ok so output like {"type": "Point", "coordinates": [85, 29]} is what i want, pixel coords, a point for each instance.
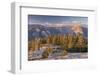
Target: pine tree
{"type": "Point", "coordinates": [80, 42]}
{"type": "Point", "coordinates": [70, 41]}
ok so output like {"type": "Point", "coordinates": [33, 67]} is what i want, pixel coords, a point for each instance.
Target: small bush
{"type": "Point", "coordinates": [45, 54]}
{"type": "Point", "coordinates": [76, 50]}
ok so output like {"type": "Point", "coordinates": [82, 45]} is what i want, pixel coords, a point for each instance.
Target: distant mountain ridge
{"type": "Point", "coordinates": [39, 30]}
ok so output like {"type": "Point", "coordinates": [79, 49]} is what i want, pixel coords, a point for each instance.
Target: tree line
{"type": "Point", "coordinates": [70, 43]}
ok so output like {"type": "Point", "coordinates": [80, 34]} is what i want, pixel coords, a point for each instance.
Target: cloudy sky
{"type": "Point", "coordinates": [44, 19]}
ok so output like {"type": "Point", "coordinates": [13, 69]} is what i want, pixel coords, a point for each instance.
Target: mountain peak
{"type": "Point", "coordinates": [77, 28]}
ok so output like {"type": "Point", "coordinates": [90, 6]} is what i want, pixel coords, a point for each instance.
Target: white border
{"type": "Point", "coordinates": [19, 38]}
